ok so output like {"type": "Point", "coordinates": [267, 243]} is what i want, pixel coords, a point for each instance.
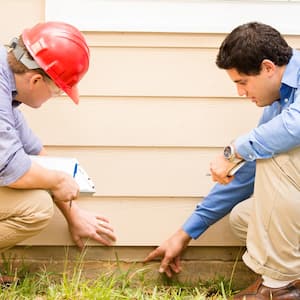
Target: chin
{"type": "Point", "coordinates": [259, 104]}
{"type": "Point", "coordinates": [35, 105]}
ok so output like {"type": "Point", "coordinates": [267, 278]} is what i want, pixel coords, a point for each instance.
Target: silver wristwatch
{"type": "Point", "coordinates": [230, 155]}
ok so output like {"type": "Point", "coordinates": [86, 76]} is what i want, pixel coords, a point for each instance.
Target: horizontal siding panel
{"type": "Point", "coordinates": [155, 72]}
{"type": "Point", "coordinates": [111, 39]}
{"type": "Point", "coordinates": [143, 121]}
{"type": "Point", "coordinates": [17, 15]}
{"type": "Point", "coordinates": [153, 40]}
{"type": "Point", "coordinates": [293, 40]}
{"type": "Point", "coordinates": [138, 222]}
{"type": "Point", "coordinates": [145, 171]}
{"type": "Point", "coordinates": [164, 40]}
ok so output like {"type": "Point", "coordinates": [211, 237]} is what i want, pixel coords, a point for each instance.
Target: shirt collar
{"type": "Point", "coordinates": [12, 81]}
{"type": "Point", "coordinates": [290, 78]}
{"type": "Point", "coordinates": [13, 88]}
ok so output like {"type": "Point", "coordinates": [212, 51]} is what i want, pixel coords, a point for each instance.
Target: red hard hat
{"type": "Point", "coordinates": [61, 51]}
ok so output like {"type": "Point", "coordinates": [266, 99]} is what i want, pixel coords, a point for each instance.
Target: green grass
{"type": "Point", "coordinates": [131, 284]}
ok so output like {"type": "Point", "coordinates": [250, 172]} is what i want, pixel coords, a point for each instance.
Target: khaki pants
{"type": "Point", "coordinates": [23, 213]}
{"type": "Point", "coordinates": [269, 222]}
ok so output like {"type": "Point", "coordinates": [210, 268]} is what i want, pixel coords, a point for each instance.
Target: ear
{"type": "Point", "coordinates": [35, 80]}
{"type": "Point", "coordinates": [268, 66]}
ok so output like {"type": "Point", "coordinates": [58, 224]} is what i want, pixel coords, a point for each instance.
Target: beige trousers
{"type": "Point", "coordinates": [269, 222]}
{"type": "Point", "coordinates": [23, 213]}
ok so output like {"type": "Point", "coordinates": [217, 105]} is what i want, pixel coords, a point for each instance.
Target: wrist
{"type": "Point", "coordinates": [231, 155]}
{"type": "Point", "coordinates": [69, 213]}
{"type": "Point", "coordinates": [183, 236]}
{"type": "Point", "coordinates": [56, 179]}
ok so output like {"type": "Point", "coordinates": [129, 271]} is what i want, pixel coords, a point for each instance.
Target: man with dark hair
{"type": "Point", "coordinates": [266, 70]}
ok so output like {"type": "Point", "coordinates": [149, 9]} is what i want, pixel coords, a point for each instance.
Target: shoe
{"type": "Point", "coordinates": [258, 291]}
{"type": "Point", "coordinates": [7, 281]}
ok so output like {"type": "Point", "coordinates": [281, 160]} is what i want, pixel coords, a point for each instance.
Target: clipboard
{"type": "Point", "coordinates": [68, 165]}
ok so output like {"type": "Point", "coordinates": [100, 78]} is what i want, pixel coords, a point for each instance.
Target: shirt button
{"type": "Point", "coordinates": [286, 100]}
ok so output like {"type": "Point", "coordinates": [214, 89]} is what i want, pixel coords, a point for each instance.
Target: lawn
{"type": "Point", "coordinates": [118, 284]}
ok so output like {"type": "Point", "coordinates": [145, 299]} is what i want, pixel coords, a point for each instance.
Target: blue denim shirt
{"type": "Point", "coordinates": [16, 138]}
{"type": "Point", "coordinates": [278, 131]}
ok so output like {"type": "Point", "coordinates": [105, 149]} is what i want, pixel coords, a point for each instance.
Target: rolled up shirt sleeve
{"type": "Point", "coordinates": [17, 165]}
{"type": "Point", "coordinates": [14, 160]}
{"type": "Point", "coordinates": [278, 135]}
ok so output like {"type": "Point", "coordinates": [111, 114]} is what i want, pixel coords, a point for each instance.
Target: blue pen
{"type": "Point", "coordinates": [75, 170]}
{"type": "Point", "coordinates": [74, 174]}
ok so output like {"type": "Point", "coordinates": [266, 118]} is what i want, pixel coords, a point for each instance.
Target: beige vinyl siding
{"type": "Point", "coordinates": [143, 121]}
{"type": "Point", "coordinates": [15, 15]}
{"type": "Point", "coordinates": [154, 111]}
{"type": "Point", "coordinates": [138, 221]}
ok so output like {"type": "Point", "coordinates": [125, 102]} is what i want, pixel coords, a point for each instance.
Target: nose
{"type": "Point", "coordinates": [241, 91]}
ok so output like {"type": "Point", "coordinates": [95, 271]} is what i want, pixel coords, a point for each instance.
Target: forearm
{"type": "Point", "coordinates": [67, 210]}
{"type": "Point", "coordinates": [38, 177]}
{"type": "Point", "coordinates": [220, 200]}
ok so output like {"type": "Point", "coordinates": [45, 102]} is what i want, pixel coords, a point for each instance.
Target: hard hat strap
{"type": "Point", "coordinates": [21, 55]}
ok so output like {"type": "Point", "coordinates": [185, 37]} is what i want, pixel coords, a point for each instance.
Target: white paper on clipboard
{"type": "Point", "coordinates": [69, 165]}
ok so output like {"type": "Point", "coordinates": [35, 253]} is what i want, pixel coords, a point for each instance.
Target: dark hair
{"type": "Point", "coordinates": [249, 44]}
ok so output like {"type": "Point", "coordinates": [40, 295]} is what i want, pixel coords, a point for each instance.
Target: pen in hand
{"type": "Point", "coordinates": [74, 174]}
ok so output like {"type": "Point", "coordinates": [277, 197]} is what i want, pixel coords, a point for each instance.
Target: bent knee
{"type": "Point", "coordinates": [234, 218]}
{"type": "Point", "coordinates": [41, 208]}
{"type": "Point", "coordinates": [238, 221]}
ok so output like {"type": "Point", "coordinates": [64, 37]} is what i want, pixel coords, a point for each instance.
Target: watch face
{"type": "Point", "coordinates": [227, 152]}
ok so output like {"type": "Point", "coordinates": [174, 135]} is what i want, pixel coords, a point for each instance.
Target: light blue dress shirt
{"type": "Point", "coordinates": [16, 138]}
{"type": "Point", "coordinates": [278, 131]}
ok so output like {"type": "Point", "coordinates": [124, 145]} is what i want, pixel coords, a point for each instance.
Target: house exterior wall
{"type": "Point", "coordinates": [154, 111]}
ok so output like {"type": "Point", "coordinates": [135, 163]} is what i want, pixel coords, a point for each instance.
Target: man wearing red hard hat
{"type": "Point", "coordinates": [44, 61]}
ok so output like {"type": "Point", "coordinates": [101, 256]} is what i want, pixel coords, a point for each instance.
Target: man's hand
{"type": "Point", "coordinates": [66, 188]}
{"type": "Point", "coordinates": [170, 252]}
{"type": "Point", "coordinates": [85, 225]}
{"type": "Point", "coordinates": [219, 168]}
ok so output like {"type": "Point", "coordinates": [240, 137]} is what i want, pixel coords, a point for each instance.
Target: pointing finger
{"type": "Point", "coordinates": [155, 253]}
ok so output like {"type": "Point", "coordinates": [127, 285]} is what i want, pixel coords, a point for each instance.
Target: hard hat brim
{"type": "Point", "coordinates": [73, 93]}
